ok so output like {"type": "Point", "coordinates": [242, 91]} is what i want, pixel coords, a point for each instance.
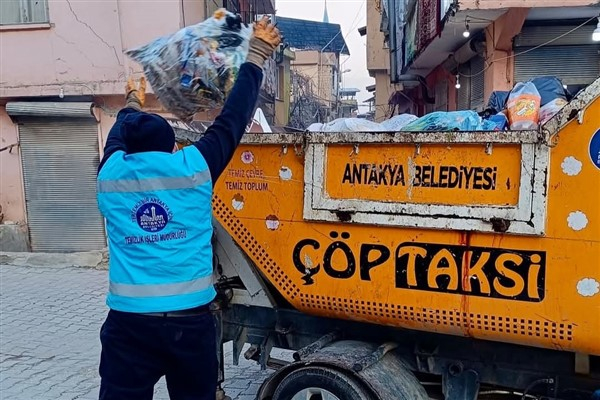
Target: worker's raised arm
{"type": "Point", "coordinates": [135, 98]}
{"type": "Point", "coordinates": [224, 135]}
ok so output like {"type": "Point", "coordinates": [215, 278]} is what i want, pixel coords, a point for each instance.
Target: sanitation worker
{"type": "Point", "coordinates": [157, 205]}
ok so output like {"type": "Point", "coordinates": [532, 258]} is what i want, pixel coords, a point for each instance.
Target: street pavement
{"type": "Point", "coordinates": [50, 319]}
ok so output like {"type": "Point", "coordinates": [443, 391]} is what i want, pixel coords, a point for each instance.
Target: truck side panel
{"type": "Point", "coordinates": [534, 290]}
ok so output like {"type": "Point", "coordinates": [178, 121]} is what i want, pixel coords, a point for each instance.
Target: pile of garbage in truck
{"type": "Point", "coordinates": [195, 68]}
{"type": "Point", "coordinates": [526, 107]}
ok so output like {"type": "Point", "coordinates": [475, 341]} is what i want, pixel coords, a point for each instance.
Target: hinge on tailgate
{"type": "Point", "coordinates": [300, 145]}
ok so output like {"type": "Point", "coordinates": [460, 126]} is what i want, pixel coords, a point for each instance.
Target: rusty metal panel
{"type": "Point", "coordinates": [60, 158]}
{"type": "Point", "coordinates": [301, 139]}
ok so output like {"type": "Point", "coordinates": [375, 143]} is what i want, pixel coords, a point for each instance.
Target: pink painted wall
{"type": "Point", "coordinates": [82, 49]}
{"type": "Point", "coordinates": [11, 182]}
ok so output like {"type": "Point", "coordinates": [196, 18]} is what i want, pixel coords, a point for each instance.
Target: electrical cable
{"type": "Point", "coordinates": [489, 64]}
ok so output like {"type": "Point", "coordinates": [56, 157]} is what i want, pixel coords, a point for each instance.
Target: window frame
{"type": "Point", "coordinates": [26, 7]}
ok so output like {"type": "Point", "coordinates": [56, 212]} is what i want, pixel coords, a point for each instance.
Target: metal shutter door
{"type": "Point", "coordinates": [60, 159]}
{"type": "Point", "coordinates": [441, 96]}
{"type": "Point", "coordinates": [463, 101]}
{"type": "Point", "coordinates": [574, 65]}
{"type": "Point", "coordinates": [532, 36]}
{"type": "Point", "coordinates": [477, 83]}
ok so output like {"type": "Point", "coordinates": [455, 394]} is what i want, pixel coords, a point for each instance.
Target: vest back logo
{"type": "Point", "coordinates": [152, 215]}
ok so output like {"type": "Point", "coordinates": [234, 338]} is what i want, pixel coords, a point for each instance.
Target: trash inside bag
{"type": "Point", "coordinates": [196, 67]}
{"type": "Point", "coordinates": [500, 120]}
{"type": "Point", "coordinates": [398, 122]}
{"type": "Point", "coordinates": [524, 106]}
{"type": "Point", "coordinates": [450, 121]}
{"type": "Point", "coordinates": [346, 125]}
{"type": "Point", "coordinates": [394, 124]}
{"type": "Point", "coordinates": [315, 127]}
{"type": "Point", "coordinates": [551, 109]}
{"type": "Point", "coordinates": [497, 101]}
{"type": "Point", "coordinates": [550, 88]}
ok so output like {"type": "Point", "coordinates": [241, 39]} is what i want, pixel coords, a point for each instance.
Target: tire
{"type": "Point", "coordinates": [321, 379]}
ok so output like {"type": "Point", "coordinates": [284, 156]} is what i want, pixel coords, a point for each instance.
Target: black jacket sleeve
{"type": "Point", "coordinates": [115, 140]}
{"type": "Point", "coordinates": [224, 135]}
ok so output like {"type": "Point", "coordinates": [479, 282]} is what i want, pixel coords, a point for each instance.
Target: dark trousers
{"type": "Point", "coordinates": [137, 350]}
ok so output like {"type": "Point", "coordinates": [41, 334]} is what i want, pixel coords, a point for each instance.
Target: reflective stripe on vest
{"type": "Point", "coordinates": [158, 217]}
{"type": "Point", "coordinates": [153, 184]}
{"type": "Point", "coordinates": [158, 290]}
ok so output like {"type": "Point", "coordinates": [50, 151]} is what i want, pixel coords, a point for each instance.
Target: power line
{"type": "Point", "coordinates": [353, 24]}
{"type": "Point", "coordinates": [489, 64]}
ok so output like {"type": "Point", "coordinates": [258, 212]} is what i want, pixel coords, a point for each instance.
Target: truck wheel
{"type": "Point", "coordinates": [319, 383]}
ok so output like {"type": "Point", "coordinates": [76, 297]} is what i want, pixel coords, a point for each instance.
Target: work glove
{"type": "Point", "coordinates": [263, 43]}
{"type": "Point", "coordinates": [135, 96]}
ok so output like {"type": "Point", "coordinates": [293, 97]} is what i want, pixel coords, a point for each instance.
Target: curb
{"type": "Point", "coordinates": [91, 259]}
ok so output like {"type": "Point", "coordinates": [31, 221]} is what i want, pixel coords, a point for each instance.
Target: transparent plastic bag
{"type": "Point", "coordinates": [196, 67]}
{"type": "Point", "coordinates": [551, 109]}
{"type": "Point", "coordinates": [524, 106]}
{"type": "Point", "coordinates": [441, 121]}
{"type": "Point", "coordinates": [346, 125]}
{"type": "Point", "coordinates": [398, 122]}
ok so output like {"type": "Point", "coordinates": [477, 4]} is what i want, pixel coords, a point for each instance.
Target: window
{"type": "Point", "coordinates": [16, 12]}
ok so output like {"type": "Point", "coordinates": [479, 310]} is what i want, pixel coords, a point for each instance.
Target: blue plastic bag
{"type": "Point", "coordinates": [197, 66]}
{"type": "Point", "coordinates": [450, 121]}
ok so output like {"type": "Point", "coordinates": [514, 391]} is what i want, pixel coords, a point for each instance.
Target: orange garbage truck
{"type": "Point", "coordinates": [443, 265]}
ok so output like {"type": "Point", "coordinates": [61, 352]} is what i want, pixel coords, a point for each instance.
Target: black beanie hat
{"type": "Point", "coordinates": [147, 132]}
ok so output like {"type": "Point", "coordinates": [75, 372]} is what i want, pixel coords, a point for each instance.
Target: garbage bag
{"type": "Point", "coordinates": [347, 125]}
{"type": "Point", "coordinates": [551, 109]}
{"type": "Point", "coordinates": [550, 88]}
{"type": "Point", "coordinates": [497, 101]}
{"type": "Point", "coordinates": [450, 121]}
{"type": "Point", "coordinates": [524, 106]}
{"type": "Point", "coordinates": [315, 127]}
{"type": "Point", "coordinates": [197, 66]}
{"type": "Point", "coordinates": [500, 120]}
{"type": "Point", "coordinates": [397, 123]}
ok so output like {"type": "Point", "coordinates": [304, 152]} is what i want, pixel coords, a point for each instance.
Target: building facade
{"type": "Point", "coordinates": [378, 61]}
{"type": "Point", "coordinates": [318, 47]}
{"type": "Point", "coordinates": [62, 81]}
{"type": "Point", "coordinates": [446, 55]}
{"type": "Point", "coordinates": [284, 87]}
{"type": "Point", "coordinates": [348, 103]}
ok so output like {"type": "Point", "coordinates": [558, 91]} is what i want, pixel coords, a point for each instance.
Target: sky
{"type": "Point", "coordinates": [351, 15]}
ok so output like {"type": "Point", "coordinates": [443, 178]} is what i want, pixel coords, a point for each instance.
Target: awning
{"type": "Point", "coordinates": [50, 109]}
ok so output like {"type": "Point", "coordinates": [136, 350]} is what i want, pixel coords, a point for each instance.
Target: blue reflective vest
{"type": "Point", "coordinates": [158, 219]}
